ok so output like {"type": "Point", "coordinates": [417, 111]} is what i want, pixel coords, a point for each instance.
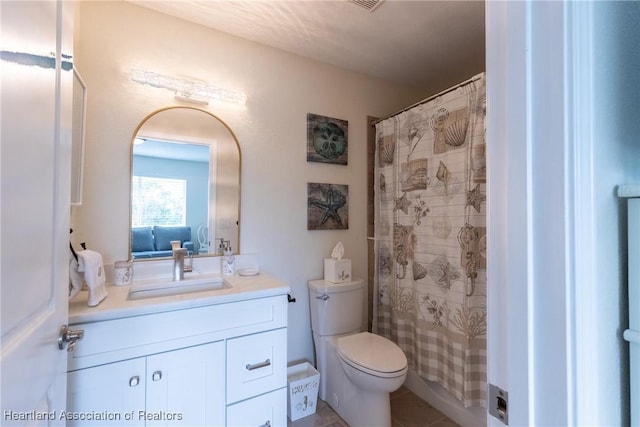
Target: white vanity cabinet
{"type": "Point", "coordinates": [213, 365]}
{"type": "Point", "coordinates": [180, 387]}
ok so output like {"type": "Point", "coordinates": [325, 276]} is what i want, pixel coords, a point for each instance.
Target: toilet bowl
{"type": "Point", "coordinates": [372, 362]}
{"type": "Point", "coordinates": [357, 369]}
{"type": "Point", "coordinates": [374, 367]}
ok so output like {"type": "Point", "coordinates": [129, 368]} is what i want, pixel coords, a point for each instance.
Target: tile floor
{"type": "Point", "coordinates": [407, 410]}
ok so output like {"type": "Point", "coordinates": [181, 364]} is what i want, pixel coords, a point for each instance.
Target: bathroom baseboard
{"type": "Point", "coordinates": [438, 397]}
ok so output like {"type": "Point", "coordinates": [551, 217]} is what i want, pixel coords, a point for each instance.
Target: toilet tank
{"type": "Point", "coordinates": [336, 308]}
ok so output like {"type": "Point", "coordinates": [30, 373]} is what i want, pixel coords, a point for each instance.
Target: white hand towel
{"type": "Point", "coordinates": [90, 262]}
{"type": "Point", "coordinates": [76, 279]}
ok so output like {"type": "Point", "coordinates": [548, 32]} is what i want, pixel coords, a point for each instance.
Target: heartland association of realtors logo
{"type": "Point", "coordinates": [107, 416]}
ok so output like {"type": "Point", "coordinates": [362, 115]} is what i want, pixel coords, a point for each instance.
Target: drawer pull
{"type": "Point", "coordinates": [134, 381]}
{"type": "Point", "coordinates": [267, 424]}
{"type": "Point", "coordinates": [156, 376]}
{"type": "Point", "coordinates": [251, 367]}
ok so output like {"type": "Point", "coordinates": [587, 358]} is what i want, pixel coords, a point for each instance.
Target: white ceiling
{"type": "Point", "coordinates": [427, 44]}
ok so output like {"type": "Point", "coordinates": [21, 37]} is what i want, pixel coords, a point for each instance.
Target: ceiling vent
{"type": "Point", "coordinates": [370, 5]}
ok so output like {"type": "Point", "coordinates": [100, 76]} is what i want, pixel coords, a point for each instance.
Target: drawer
{"type": "Point", "coordinates": [256, 364]}
{"type": "Point", "coordinates": [265, 410]}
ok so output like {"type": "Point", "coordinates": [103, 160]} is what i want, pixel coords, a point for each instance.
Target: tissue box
{"type": "Point", "coordinates": [337, 270]}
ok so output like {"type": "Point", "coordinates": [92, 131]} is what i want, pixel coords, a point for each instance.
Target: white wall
{"type": "Point", "coordinates": [507, 294]}
{"type": "Point", "coordinates": [113, 37]}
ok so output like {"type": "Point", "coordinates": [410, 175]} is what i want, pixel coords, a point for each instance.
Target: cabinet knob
{"type": "Point", "coordinates": [251, 367]}
{"type": "Point", "coordinates": [134, 381]}
{"type": "Point", "coordinates": [156, 376]}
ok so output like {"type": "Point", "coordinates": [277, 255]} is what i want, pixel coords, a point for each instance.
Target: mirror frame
{"type": "Point", "coordinates": [79, 126]}
{"type": "Point", "coordinates": [236, 251]}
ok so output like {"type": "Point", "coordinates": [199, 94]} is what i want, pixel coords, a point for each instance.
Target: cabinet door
{"type": "Point", "coordinates": [265, 410]}
{"type": "Point", "coordinates": [186, 387]}
{"type": "Point", "coordinates": [107, 395]}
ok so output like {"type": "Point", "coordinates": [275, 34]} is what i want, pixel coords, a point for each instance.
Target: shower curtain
{"type": "Point", "coordinates": [430, 238]}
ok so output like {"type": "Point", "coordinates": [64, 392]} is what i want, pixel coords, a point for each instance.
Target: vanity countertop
{"type": "Point", "coordinates": [117, 305]}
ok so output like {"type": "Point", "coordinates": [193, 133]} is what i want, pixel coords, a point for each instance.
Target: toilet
{"type": "Point", "coordinates": [357, 369]}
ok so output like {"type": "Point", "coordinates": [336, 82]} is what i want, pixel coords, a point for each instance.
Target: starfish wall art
{"type": "Point", "coordinates": [327, 206]}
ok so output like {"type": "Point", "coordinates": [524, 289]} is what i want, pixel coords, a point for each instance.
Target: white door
{"type": "Point", "coordinates": [34, 221]}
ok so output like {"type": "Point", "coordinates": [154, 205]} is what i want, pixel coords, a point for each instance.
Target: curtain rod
{"type": "Point", "coordinates": [466, 82]}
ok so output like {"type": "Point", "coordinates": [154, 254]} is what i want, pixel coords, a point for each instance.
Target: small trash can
{"type": "Point", "coordinates": [303, 381]}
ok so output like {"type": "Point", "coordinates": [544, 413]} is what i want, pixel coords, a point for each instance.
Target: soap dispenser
{"type": "Point", "coordinates": [228, 262]}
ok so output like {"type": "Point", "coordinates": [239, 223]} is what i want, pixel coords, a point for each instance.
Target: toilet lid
{"type": "Point", "coordinates": [372, 352]}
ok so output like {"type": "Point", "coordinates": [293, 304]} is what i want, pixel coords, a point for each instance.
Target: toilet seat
{"type": "Point", "coordinates": [372, 354]}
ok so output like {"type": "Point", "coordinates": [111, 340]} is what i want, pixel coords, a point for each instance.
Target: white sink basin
{"type": "Point", "coordinates": [164, 287]}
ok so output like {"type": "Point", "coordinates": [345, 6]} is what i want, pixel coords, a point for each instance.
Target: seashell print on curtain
{"type": "Point", "coordinates": [430, 238]}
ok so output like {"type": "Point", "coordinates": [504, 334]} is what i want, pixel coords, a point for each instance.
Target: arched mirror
{"type": "Point", "coordinates": [185, 184]}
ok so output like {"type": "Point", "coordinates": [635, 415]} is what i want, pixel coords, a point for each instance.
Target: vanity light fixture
{"type": "Point", "coordinates": [192, 91]}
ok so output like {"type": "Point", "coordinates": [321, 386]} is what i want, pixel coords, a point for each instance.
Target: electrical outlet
{"type": "Point", "coordinates": [499, 403]}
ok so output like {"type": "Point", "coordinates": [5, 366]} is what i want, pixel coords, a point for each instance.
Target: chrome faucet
{"type": "Point", "coordinates": [178, 263]}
